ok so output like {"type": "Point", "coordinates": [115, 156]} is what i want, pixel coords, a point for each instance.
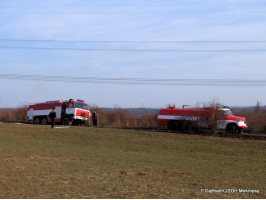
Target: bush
{"type": "Point", "coordinates": [256, 118]}
{"type": "Point", "coordinates": [119, 118]}
{"type": "Point", "coordinates": [14, 114]}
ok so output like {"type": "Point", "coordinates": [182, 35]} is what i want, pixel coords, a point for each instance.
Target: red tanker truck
{"type": "Point", "coordinates": [176, 119]}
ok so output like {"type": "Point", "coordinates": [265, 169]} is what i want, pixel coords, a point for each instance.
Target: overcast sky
{"type": "Point", "coordinates": [61, 24]}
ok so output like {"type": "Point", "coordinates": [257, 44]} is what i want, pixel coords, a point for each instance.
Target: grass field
{"type": "Point", "coordinates": [82, 162]}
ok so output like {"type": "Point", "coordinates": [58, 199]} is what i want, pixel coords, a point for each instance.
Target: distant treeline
{"type": "Point", "coordinates": [143, 118]}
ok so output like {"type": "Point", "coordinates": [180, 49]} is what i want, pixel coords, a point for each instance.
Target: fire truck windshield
{"type": "Point", "coordinates": [81, 105]}
{"type": "Point", "coordinates": [229, 113]}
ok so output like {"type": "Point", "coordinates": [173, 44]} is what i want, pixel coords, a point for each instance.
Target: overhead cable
{"type": "Point", "coordinates": [134, 50]}
{"type": "Point", "coordinates": [138, 81]}
{"type": "Point", "coordinates": [131, 41]}
{"type": "Point", "coordinates": [136, 12]}
{"type": "Point", "coordinates": [136, 5]}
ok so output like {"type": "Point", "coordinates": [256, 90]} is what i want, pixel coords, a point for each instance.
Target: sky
{"type": "Point", "coordinates": [124, 39]}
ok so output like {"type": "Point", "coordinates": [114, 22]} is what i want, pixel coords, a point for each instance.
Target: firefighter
{"type": "Point", "coordinates": [52, 115]}
{"type": "Point", "coordinates": [63, 110]}
{"type": "Point", "coordinates": [95, 118]}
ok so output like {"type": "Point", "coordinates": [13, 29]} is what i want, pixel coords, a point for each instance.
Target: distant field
{"type": "Point", "coordinates": [82, 162]}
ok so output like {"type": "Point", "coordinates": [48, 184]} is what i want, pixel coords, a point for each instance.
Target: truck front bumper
{"type": "Point", "coordinates": [81, 118]}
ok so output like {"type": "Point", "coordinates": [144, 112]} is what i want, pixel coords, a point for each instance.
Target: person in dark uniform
{"type": "Point", "coordinates": [63, 110]}
{"type": "Point", "coordinates": [52, 115]}
{"type": "Point", "coordinates": [95, 119]}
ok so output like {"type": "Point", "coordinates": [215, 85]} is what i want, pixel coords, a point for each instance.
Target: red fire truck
{"type": "Point", "coordinates": [76, 112]}
{"type": "Point", "coordinates": [206, 118]}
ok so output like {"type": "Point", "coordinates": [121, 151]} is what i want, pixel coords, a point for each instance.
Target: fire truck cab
{"type": "Point", "coordinates": [74, 111]}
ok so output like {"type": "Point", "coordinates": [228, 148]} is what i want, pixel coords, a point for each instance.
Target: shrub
{"type": "Point", "coordinates": [256, 118]}
{"type": "Point", "coordinates": [119, 118]}
{"type": "Point", "coordinates": [14, 114]}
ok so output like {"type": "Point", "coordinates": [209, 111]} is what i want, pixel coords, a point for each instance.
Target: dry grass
{"type": "Point", "coordinates": [15, 114]}
{"type": "Point", "coordinates": [82, 162]}
{"type": "Point", "coordinates": [119, 118]}
{"type": "Point", "coordinates": [256, 120]}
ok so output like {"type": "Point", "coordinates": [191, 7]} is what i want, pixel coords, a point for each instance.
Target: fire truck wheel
{"type": "Point", "coordinates": [36, 120]}
{"type": "Point", "coordinates": [173, 126]}
{"type": "Point", "coordinates": [232, 129]}
{"type": "Point", "coordinates": [66, 121]}
{"type": "Point", "coordinates": [44, 121]}
{"type": "Point", "coordinates": [187, 126]}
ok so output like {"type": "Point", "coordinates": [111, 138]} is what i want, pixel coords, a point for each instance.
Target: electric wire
{"type": "Point", "coordinates": [131, 41]}
{"type": "Point", "coordinates": [134, 50]}
{"type": "Point", "coordinates": [137, 5]}
{"type": "Point", "coordinates": [135, 12]}
{"type": "Point", "coordinates": [138, 81]}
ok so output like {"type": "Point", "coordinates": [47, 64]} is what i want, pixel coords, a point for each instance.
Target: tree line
{"type": "Point", "coordinates": [121, 118]}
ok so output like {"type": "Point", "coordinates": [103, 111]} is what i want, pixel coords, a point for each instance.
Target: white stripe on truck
{"type": "Point", "coordinates": [171, 117]}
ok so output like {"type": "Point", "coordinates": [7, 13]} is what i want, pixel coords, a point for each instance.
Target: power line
{"type": "Point", "coordinates": [134, 41]}
{"type": "Point", "coordinates": [135, 50]}
{"type": "Point", "coordinates": [137, 5]}
{"type": "Point", "coordinates": [138, 81]}
{"type": "Point", "coordinates": [135, 12]}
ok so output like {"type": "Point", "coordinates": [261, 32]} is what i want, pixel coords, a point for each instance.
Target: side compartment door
{"type": "Point", "coordinates": [221, 124]}
{"type": "Point", "coordinates": [31, 114]}
{"type": "Point", "coordinates": [204, 122]}
{"type": "Point", "coordinates": [58, 112]}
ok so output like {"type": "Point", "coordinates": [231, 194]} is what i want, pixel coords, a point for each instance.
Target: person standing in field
{"type": "Point", "coordinates": [95, 118]}
{"type": "Point", "coordinates": [52, 115]}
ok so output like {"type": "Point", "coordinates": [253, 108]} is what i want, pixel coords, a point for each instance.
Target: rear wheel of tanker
{"type": "Point", "coordinates": [44, 121]}
{"type": "Point", "coordinates": [66, 121]}
{"type": "Point", "coordinates": [188, 126]}
{"type": "Point", "coordinates": [36, 120]}
{"type": "Point", "coordinates": [173, 126]}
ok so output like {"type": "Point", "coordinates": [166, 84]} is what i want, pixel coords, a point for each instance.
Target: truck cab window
{"type": "Point", "coordinates": [229, 113]}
